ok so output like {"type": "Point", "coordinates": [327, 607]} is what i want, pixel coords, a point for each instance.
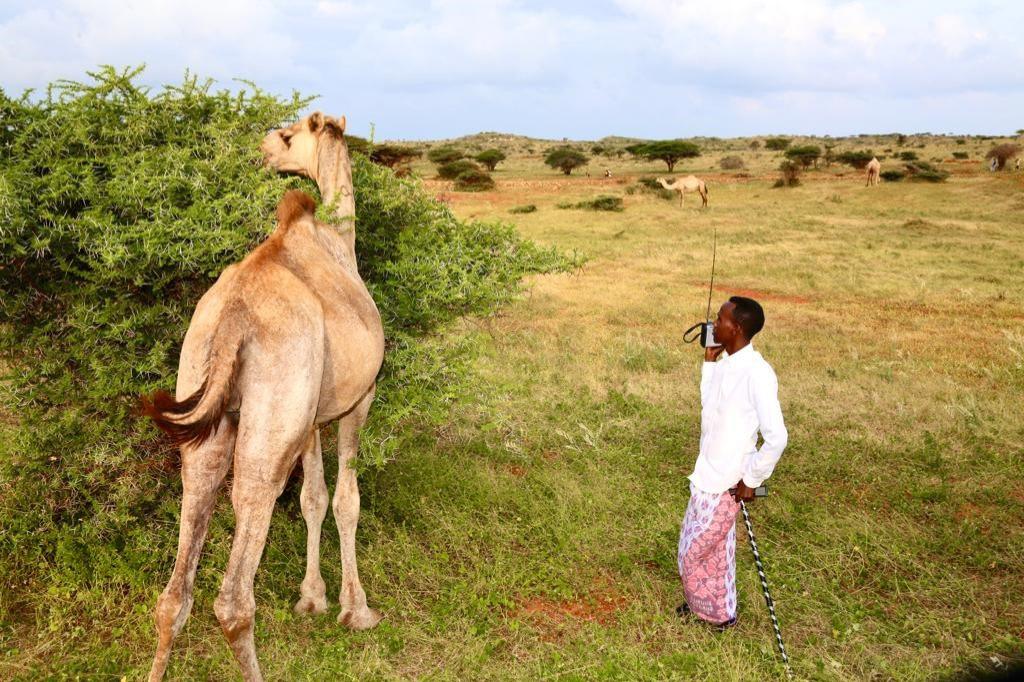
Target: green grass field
{"type": "Point", "coordinates": [533, 536]}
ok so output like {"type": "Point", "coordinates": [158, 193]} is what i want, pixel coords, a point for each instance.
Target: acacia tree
{"type": "Point", "coordinates": [394, 155]}
{"type": "Point", "coordinates": [777, 144]}
{"type": "Point", "coordinates": [566, 159]}
{"type": "Point", "coordinates": [806, 155]}
{"type": "Point", "coordinates": [490, 158]}
{"type": "Point", "coordinates": [669, 151]}
{"type": "Point", "coordinates": [443, 155]}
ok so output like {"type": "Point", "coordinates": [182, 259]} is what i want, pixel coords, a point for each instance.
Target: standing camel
{"type": "Point", "coordinates": [874, 169]}
{"type": "Point", "coordinates": [690, 183]}
{"type": "Point", "coordinates": [282, 343]}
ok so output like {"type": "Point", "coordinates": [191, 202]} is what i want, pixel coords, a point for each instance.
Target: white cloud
{"type": "Point", "coordinates": [955, 35]}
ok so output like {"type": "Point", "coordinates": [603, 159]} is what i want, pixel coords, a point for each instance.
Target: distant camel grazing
{"type": "Point", "coordinates": [874, 168]}
{"type": "Point", "coordinates": [283, 343]}
{"type": "Point", "coordinates": [690, 183]}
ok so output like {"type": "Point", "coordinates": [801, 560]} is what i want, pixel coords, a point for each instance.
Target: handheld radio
{"type": "Point", "coordinates": [707, 327]}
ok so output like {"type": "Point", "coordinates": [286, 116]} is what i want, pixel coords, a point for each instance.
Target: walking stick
{"type": "Point", "coordinates": [767, 595]}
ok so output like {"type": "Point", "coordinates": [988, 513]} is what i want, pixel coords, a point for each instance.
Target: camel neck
{"type": "Point", "coordinates": [334, 177]}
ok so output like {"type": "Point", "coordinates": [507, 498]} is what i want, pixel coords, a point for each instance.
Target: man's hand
{"type": "Point", "coordinates": [711, 353]}
{"type": "Point", "coordinates": [742, 492]}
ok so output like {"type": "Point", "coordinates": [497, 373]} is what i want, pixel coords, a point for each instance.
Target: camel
{"type": "Point", "coordinates": [284, 342]}
{"type": "Point", "coordinates": [690, 183]}
{"type": "Point", "coordinates": [874, 168]}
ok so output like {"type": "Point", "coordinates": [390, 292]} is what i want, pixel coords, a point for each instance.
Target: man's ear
{"type": "Point", "coordinates": [316, 121]}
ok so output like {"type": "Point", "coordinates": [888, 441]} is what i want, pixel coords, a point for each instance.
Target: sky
{"type": "Point", "coordinates": [554, 69]}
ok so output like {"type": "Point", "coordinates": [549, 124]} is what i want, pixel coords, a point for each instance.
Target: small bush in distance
{"type": "Point", "coordinates": [777, 144]}
{"type": "Point", "coordinates": [921, 171]}
{"type": "Point", "coordinates": [857, 159]}
{"type": "Point", "coordinates": [443, 155]}
{"type": "Point", "coordinates": [791, 171]}
{"type": "Point", "coordinates": [528, 208]}
{"type": "Point", "coordinates": [908, 156]}
{"type": "Point", "coordinates": [453, 169]}
{"type": "Point", "coordinates": [892, 175]}
{"type": "Point", "coordinates": [473, 180]}
{"type": "Point", "coordinates": [604, 202]}
{"type": "Point", "coordinates": [731, 163]}
{"type": "Point", "coordinates": [961, 155]}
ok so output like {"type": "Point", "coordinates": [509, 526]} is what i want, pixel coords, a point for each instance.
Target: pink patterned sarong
{"type": "Point", "coordinates": [707, 555]}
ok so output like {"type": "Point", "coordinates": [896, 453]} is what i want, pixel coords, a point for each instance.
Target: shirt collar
{"type": "Point", "coordinates": [741, 357]}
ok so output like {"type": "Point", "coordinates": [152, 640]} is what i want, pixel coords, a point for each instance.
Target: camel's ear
{"type": "Point", "coordinates": [336, 124]}
{"type": "Point", "coordinates": [316, 121]}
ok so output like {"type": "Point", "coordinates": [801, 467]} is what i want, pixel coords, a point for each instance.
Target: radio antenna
{"type": "Point", "coordinates": [711, 287]}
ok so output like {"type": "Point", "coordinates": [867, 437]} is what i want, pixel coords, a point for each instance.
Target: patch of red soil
{"type": "Point", "coordinates": [516, 470]}
{"type": "Point", "coordinates": [550, 456]}
{"type": "Point", "coordinates": [552, 618]}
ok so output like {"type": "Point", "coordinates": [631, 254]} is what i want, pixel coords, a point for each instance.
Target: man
{"type": "Point", "coordinates": [739, 398]}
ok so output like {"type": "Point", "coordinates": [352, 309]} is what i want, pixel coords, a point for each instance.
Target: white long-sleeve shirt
{"type": "Point", "coordinates": [739, 396]}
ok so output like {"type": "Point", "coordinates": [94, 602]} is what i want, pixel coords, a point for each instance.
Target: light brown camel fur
{"type": "Point", "coordinates": [691, 183]}
{"type": "Point", "coordinates": [282, 343]}
{"type": "Point", "coordinates": [874, 169]}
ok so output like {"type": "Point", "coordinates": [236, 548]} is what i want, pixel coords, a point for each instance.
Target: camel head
{"type": "Point", "coordinates": [296, 149]}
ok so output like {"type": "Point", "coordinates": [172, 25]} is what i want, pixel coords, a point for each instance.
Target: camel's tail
{"type": "Point", "coordinates": [195, 418]}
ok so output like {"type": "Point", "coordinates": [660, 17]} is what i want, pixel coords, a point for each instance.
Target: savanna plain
{"type": "Point", "coordinates": [532, 536]}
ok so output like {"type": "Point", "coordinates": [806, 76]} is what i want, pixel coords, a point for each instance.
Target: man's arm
{"type": "Point", "coordinates": [765, 394]}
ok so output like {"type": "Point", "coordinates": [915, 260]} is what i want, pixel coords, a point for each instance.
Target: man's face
{"type": "Point", "coordinates": [726, 328]}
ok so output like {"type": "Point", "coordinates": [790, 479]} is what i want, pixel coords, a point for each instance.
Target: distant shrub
{"type": "Point", "coordinates": [908, 156]}
{"type": "Point", "coordinates": [604, 202]}
{"type": "Point", "coordinates": [731, 163]}
{"type": "Point", "coordinates": [473, 180]}
{"type": "Point", "coordinates": [653, 186]}
{"type": "Point", "coordinates": [777, 144]}
{"type": "Point", "coordinates": [961, 140]}
{"type": "Point", "coordinates": [893, 175]}
{"type": "Point", "coordinates": [857, 159]}
{"type": "Point", "coordinates": [528, 208]}
{"type": "Point", "coordinates": [920, 171]}
{"type": "Point", "coordinates": [960, 155]}
{"type": "Point", "coordinates": [791, 171]}
{"type": "Point", "coordinates": [443, 155]}
{"type": "Point", "coordinates": [755, 145]}
{"type": "Point", "coordinates": [453, 169]}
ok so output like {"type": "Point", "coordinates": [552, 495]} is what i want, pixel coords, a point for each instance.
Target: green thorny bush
{"type": "Point", "coordinates": [118, 209]}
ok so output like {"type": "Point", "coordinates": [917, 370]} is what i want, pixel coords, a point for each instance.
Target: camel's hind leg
{"type": "Point", "coordinates": [354, 611]}
{"type": "Point", "coordinates": [313, 499]}
{"type": "Point", "coordinates": [203, 469]}
{"type": "Point", "coordinates": [266, 452]}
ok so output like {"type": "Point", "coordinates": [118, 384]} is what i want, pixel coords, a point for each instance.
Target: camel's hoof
{"type": "Point", "coordinates": [314, 605]}
{"type": "Point", "coordinates": [359, 619]}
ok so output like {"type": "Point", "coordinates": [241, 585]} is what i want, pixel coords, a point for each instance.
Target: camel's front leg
{"type": "Point", "coordinates": [354, 611]}
{"type": "Point", "coordinates": [313, 500]}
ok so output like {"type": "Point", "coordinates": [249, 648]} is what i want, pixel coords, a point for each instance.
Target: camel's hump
{"type": "Point", "coordinates": [293, 205]}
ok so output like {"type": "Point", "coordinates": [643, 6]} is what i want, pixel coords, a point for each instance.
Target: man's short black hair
{"type": "Point", "coordinates": [749, 314]}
